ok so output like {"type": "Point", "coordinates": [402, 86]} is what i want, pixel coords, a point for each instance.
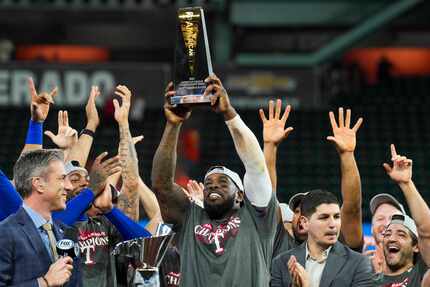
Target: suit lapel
{"type": "Point", "coordinates": [301, 254]}
{"type": "Point", "coordinates": [335, 261]}
{"type": "Point", "coordinates": [33, 236]}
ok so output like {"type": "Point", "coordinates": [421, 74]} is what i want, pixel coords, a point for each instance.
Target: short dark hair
{"type": "Point", "coordinates": [315, 198]}
{"type": "Point", "coordinates": [33, 164]}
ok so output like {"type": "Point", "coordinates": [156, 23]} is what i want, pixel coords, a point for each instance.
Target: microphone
{"type": "Point", "coordinates": [67, 247]}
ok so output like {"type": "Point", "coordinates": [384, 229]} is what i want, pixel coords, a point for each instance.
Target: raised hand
{"type": "Point", "coordinates": [401, 171]}
{"type": "Point", "coordinates": [274, 131]}
{"type": "Point", "coordinates": [376, 257]}
{"type": "Point", "coordinates": [40, 102]}
{"type": "Point", "coordinates": [66, 136]}
{"type": "Point", "coordinates": [194, 191]}
{"type": "Point", "coordinates": [344, 137]}
{"type": "Point", "coordinates": [121, 112]}
{"type": "Point", "coordinates": [93, 119]}
{"type": "Point", "coordinates": [174, 114]}
{"type": "Point", "coordinates": [220, 101]}
{"type": "Point", "coordinates": [101, 170]}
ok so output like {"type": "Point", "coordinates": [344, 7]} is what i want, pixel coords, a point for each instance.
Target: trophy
{"type": "Point", "coordinates": [142, 255]}
{"type": "Point", "coordinates": [193, 62]}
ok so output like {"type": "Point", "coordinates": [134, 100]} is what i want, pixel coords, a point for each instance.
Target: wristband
{"type": "Point", "coordinates": [87, 132]}
{"type": "Point", "coordinates": [34, 133]}
{"type": "Point", "coordinates": [46, 281]}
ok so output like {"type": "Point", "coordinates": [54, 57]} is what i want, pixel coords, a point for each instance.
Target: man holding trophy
{"type": "Point", "coordinates": [228, 241]}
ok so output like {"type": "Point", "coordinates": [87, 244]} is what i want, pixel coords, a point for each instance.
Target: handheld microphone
{"type": "Point", "coordinates": [67, 247]}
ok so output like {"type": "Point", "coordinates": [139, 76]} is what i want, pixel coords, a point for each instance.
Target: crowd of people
{"type": "Point", "coordinates": [229, 230]}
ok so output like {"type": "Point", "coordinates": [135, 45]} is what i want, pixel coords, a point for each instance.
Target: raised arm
{"type": "Point", "coordinates": [39, 112]}
{"type": "Point", "coordinates": [257, 185]}
{"type": "Point", "coordinates": [273, 134]}
{"type": "Point", "coordinates": [66, 136]}
{"type": "Point", "coordinates": [172, 200]}
{"type": "Point", "coordinates": [128, 200]}
{"type": "Point", "coordinates": [81, 149]}
{"type": "Point", "coordinates": [344, 139]}
{"type": "Point", "coordinates": [150, 205]}
{"type": "Point", "coordinates": [401, 173]}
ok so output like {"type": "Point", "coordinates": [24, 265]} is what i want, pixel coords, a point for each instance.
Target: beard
{"type": "Point", "coordinates": [401, 260]}
{"type": "Point", "coordinates": [218, 211]}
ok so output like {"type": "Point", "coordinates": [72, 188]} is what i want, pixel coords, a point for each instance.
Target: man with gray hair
{"type": "Point", "coordinates": [406, 241]}
{"type": "Point", "coordinates": [28, 255]}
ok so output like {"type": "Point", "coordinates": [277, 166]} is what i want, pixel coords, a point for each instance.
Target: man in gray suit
{"type": "Point", "coordinates": [321, 261]}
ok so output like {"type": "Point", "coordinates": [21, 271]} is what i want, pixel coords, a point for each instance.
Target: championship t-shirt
{"type": "Point", "coordinates": [170, 272]}
{"type": "Point", "coordinates": [96, 238]}
{"type": "Point", "coordinates": [410, 278]}
{"type": "Point", "coordinates": [234, 252]}
{"type": "Point", "coordinates": [283, 240]}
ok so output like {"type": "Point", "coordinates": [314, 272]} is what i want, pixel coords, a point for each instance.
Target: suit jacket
{"type": "Point", "coordinates": [23, 255]}
{"type": "Point", "coordinates": [343, 268]}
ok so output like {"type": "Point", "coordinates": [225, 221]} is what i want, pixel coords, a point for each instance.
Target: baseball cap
{"type": "Point", "coordinates": [286, 213]}
{"type": "Point", "coordinates": [73, 166]}
{"type": "Point", "coordinates": [406, 221]}
{"type": "Point", "coordinates": [231, 174]}
{"type": "Point", "coordinates": [296, 199]}
{"type": "Point", "coordinates": [382, 198]}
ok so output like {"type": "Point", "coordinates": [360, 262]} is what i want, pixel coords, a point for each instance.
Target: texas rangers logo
{"type": "Point", "coordinates": [215, 237]}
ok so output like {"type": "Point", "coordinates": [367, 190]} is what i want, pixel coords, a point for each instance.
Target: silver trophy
{"type": "Point", "coordinates": [143, 254]}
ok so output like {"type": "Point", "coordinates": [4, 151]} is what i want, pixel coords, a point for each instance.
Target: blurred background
{"type": "Point", "coordinates": [369, 55]}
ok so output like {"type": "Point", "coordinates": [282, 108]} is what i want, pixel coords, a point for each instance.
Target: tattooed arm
{"type": "Point", "coordinates": [172, 200]}
{"type": "Point", "coordinates": [128, 201]}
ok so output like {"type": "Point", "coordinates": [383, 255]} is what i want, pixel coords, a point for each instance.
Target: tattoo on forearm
{"type": "Point", "coordinates": [128, 156]}
{"type": "Point", "coordinates": [129, 204]}
{"type": "Point", "coordinates": [164, 164]}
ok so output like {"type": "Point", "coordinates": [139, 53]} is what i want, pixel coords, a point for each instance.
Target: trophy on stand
{"type": "Point", "coordinates": [143, 255]}
{"type": "Point", "coordinates": [193, 62]}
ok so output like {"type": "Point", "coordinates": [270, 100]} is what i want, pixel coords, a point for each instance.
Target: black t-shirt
{"type": "Point", "coordinates": [170, 268]}
{"type": "Point", "coordinates": [283, 240]}
{"type": "Point", "coordinates": [410, 278]}
{"type": "Point", "coordinates": [96, 238]}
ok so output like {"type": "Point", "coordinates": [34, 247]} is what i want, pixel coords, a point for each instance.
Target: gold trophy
{"type": "Point", "coordinates": [193, 62]}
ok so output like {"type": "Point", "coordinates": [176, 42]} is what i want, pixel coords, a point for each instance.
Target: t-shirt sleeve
{"type": "Point", "coordinates": [264, 217]}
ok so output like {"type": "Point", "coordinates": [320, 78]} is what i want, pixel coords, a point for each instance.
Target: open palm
{"type": "Point", "coordinates": [344, 137]}
{"type": "Point", "coordinates": [274, 127]}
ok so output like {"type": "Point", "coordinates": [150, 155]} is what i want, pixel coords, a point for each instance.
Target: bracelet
{"type": "Point", "coordinates": [87, 132]}
{"type": "Point", "coordinates": [46, 281]}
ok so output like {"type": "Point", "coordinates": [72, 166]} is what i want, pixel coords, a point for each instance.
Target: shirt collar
{"type": "Point", "coordinates": [37, 219]}
{"type": "Point", "coordinates": [324, 254]}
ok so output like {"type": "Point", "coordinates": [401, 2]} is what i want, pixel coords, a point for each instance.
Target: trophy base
{"type": "Point", "coordinates": [190, 92]}
{"type": "Point", "coordinates": [190, 99]}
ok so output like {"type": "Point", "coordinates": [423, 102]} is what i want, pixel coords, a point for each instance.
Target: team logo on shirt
{"type": "Point", "coordinates": [89, 241]}
{"type": "Point", "coordinates": [173, 279]}
{"type": "Point", "coordinates": [215, 237]}
{"type": "Point", "coordinates": [404, 283]}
